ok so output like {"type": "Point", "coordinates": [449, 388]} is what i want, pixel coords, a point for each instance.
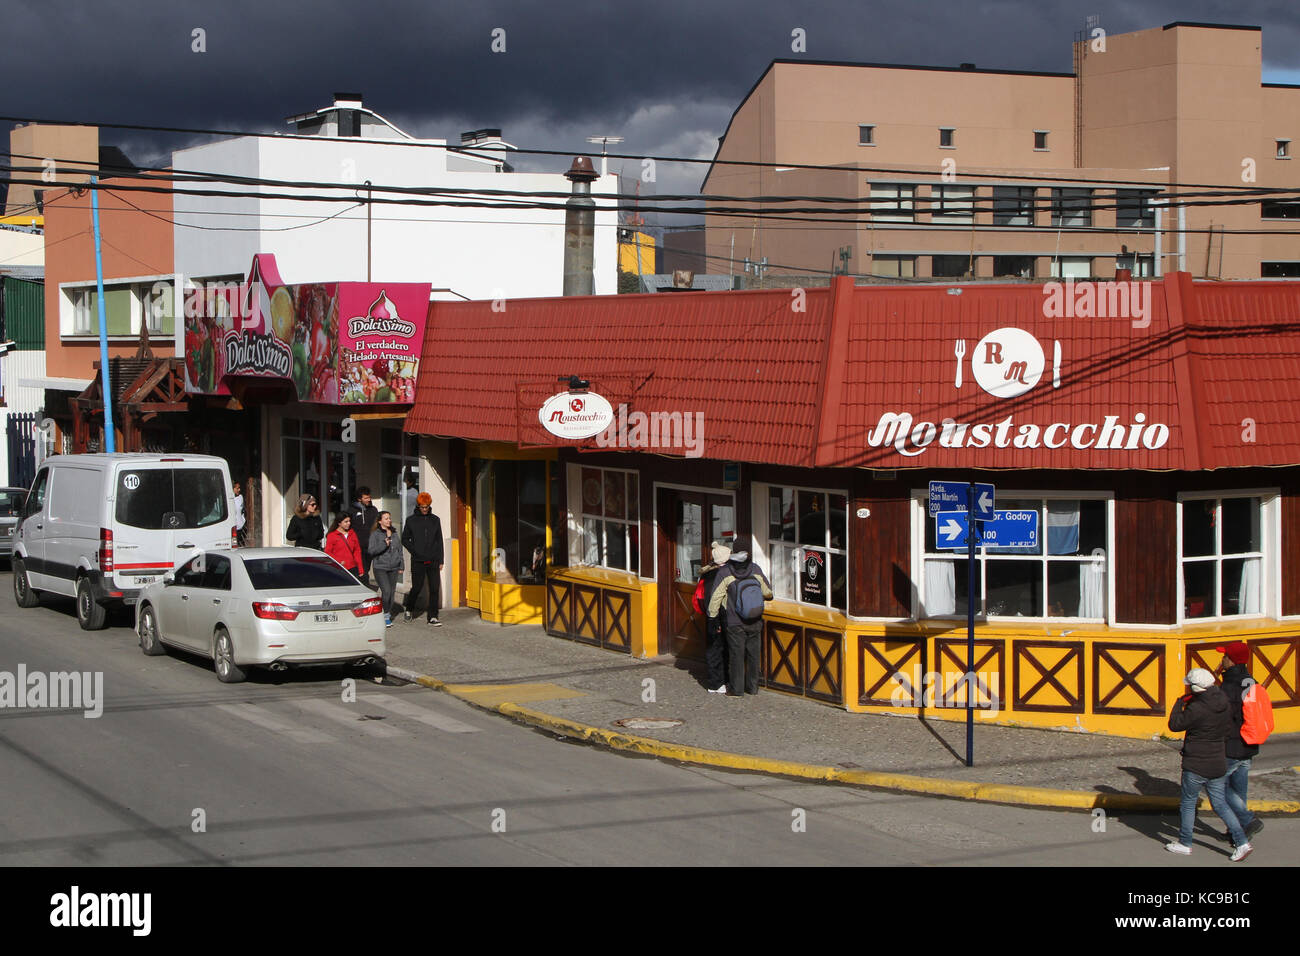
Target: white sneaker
{"type": "Point", "coordinates": [1181, 849]}
{"type": "Point", "coordinates": [1241, 852]}
{"type": "Point", "coordinates": [718, 690]}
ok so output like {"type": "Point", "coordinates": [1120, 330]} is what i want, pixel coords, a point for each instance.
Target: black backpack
{"type": "Point", "coordinates": [747, 598]}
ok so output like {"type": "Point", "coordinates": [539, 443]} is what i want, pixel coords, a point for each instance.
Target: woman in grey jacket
{"type": "Point", "coordinates": [386, 561]}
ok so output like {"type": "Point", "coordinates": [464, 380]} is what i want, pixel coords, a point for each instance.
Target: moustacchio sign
{"type": "Point", "coordinates": [338, 343]}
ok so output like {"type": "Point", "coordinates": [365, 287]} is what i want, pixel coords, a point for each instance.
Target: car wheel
{"type": "Point", "coordinates": [150, 642]}
{"type": "Point", "coordinates": [91, 616]}
{"type": "Point", "coordinates": [223, 659]}
{"type": "Point", "coordinates": [23, 592]}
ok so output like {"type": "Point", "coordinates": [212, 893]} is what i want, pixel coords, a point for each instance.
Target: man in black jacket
{"type": "Point", "coordinates": [1203, 715]}
{"type": "Point", "coordinates": [364, 516]}
{"type": "Point", "coordinates": [1234, 680]}
{"type": "Point", "coordinates": [422, 536]}
{"type": "Point", "coordinates": [743, 636]}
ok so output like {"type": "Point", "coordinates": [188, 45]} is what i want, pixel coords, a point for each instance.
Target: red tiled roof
{"type": "Point", "coordinates": [744, 360]}
{"type": "Point", "coordinates": [810, 388]}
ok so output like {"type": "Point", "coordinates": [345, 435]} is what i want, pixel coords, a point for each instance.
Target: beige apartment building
{"type": "Point", "coordinates": [999, 173]}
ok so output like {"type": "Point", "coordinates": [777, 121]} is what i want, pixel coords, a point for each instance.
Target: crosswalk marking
{"type": "Point", "coordinates": [350, 715]}
{"type": "Point", "coordinates": [256, 716]}
{"type": "Point", "coordinates": [407, 709]}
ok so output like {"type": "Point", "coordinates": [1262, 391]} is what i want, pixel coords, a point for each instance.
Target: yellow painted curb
{"type": "Point", "coordinates": [904, 783]}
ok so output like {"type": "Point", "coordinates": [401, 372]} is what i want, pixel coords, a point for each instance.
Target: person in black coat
{"type": "Point", "coordinates": [1235, 678]}
{"type": "Point", "coordinates": [422, 536]}
{"type": "Point", "coordinates": [364, 518]}
{"type": "Point", "coordinates": [306, 530]}
{"type": "Point", "coordinates": [1202, 715]}
{"type": "Point", "coordinates": [715, 627]}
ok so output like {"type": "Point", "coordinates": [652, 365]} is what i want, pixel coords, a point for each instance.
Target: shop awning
{"type": "Point", "coordinates": [1158, 375]}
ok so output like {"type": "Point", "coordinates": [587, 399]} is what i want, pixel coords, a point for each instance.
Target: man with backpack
{"type": "Point", "coordinates": [1237, 683]}
{"type": "Point", "coordinates": [742, 586]}
{"type": "Point", "coordinates": [1202, 715]}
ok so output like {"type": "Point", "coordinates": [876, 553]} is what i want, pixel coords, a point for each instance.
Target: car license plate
{"type": "Point", "coordinates": [327, 618]}
{"type": "Point", "coordinates": [143, 579]}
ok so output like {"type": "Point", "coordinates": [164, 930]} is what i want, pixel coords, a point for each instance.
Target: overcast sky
{"type": "Point", "coordinates": [665, 75]}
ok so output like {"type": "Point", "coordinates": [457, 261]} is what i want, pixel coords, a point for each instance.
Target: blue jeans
{"type": "Point", "coordinates": [1236, 792]}
{"type": "Point", "coordinates": [1192, 784]}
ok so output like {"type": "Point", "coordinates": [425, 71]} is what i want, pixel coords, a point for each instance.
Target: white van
{"type": "Point", "coordinates": [100, 527]}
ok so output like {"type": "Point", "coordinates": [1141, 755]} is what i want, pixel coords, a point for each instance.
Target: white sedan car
{"type": "Point", "coordinates": [262, 607]}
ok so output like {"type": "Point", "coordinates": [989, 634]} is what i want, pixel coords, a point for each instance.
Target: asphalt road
{"type": "Point", "coordinates": [281, 770]}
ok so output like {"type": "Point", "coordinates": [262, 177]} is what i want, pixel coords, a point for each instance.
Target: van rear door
{"type": "Point", "coordinates": [165, 513]}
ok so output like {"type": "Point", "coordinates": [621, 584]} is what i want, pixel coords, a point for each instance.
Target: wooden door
{"type": "Point", "coordinates": [688, 522]}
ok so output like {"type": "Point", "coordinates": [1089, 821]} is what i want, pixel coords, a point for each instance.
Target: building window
{"type": "Point", "coordinates": [1065, 575]}
{"type": "Point", "coordinates": [1222, 556]}
{"type": "Point", "coordinates": [1144, 267]}
{"type": "Point", "coordinates": [950, 267]}
{"type": "Point", "coordinates": [866, 135]}
{"type": "Point", "coordinates": [1040, 139]}
{"type": "Point", "coordinates": [1279, 270]}
{"type": "Point", "coordinates": [1072, 267]}
{"type": "Point", "coordinates": [1016, 267]}
{"type": "Point", "coordinates": [1279, 209]}
{"type": "Point", "coordinates": [894, 267]}
{"type": "Point", "coordinates": [952, 203]}
{"type": "Point", "coordinates": [893, 202]}
{"type": "Point", "coordinates": [1013, 205]}
{"type": "Point", "coordinates": [399, 473]}
{"type": "Point", "coordinates": [1283, 149]}
{"type": "Point", "coordinates": [157, 304]}
{"type": "Point", "coordinates": [947, 137]}
{"type": "Point", "coordinates": [807, 538]}
{"type": "Point", "coordinates": [1071, 207]}
{"type": "Point", "coordinates": [83, 309]}
{"type": "Point", "coordinates": [611, 519]}
{"type": "Point", "coordinates": [508, 508]}
{"type": "Point", "coordinates": [1133, 209]}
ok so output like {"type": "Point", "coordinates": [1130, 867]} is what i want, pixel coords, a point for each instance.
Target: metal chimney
{"type": "Point", "coordinates": [580, 229]}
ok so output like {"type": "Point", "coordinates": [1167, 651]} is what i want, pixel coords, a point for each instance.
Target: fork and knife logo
{"type": "Point", "coordinates": [1007, 362]}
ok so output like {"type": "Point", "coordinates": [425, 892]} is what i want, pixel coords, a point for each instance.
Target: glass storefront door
{"type": "Point", "coordinates": [339, 467]}
{"type": "Point", "coordinates": [690, 521]}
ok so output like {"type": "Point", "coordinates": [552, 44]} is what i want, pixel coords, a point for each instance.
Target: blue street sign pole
{"type": "Point", "coordinates": [972, 536]}
{"type": "Point", "coordinates": [110, 440]}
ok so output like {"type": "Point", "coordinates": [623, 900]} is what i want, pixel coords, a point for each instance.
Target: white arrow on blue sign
{"type": "Point", "coordinates": [952, 496]}
{"type": "Point", "coordinates": [1006, 529]}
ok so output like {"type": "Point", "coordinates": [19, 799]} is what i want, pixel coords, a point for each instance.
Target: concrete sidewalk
{"type": "Point", "coordinates": [579, 691]}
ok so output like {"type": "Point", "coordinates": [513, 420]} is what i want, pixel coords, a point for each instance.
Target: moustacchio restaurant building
{"type": "Point", "coordinates": [1145, 435]}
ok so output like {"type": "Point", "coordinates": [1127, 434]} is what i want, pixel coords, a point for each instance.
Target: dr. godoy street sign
{"type": "Point", "coordinates": [1006, 529]}
{"type": "Point", "coordinates": [951, 496]}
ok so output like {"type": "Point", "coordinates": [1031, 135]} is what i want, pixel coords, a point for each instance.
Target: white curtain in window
{"type": "Point", "coordinates": [591, 542]}
{"type": "Point", "coordinates": [1249, 602]}
{"type": "Point", "coordinates": [940, 589]}
{"type": "Point", "coordinates": [1092, 586]}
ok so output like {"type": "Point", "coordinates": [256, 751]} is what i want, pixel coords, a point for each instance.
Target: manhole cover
{"type": "Point", "coordinates": [647, 723]}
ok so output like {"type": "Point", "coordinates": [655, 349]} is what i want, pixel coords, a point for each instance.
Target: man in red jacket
{"type": "Point", "coordinates": [1203, 715]}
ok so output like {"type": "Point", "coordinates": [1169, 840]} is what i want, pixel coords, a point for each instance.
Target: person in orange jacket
{"type": "Point", "coordinates": [343, 545]}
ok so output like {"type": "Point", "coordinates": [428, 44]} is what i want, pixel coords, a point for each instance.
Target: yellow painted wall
{"type": "Point", "coordinates": [627, 254]}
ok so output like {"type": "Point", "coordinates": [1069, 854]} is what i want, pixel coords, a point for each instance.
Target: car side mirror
{"type": "Point", "coordinates": [169, 578]}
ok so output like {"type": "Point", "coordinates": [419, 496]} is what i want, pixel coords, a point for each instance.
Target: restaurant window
{"type": "Point", "coordinates": [508, 508]}
{"type": "Point", "coordinates": [893, 202]}
{"type": "Point", "coordinates": [611, 519]}
{"type": "Point", "coordinates": [1071, 207]}
{"type": "Point", "coordinates": [952, 203]}
{"type": "Point", "coordinates": [896, 267]}
{"type": "Point", "coordinates": [1065, 574]}
{"type": "Point", "coordinates": [1222, 556]}
{"type": "Point", "coordinates": [1013, 205]}
{"type": "Point", "coordinates": [808, 542]}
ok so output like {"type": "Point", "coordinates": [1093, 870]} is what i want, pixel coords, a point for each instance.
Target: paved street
{"type": "Point", "coordinates": [285, 772]}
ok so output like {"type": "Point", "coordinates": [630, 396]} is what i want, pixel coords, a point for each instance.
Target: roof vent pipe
{"type": "Point", "coordinates": [580, 229]}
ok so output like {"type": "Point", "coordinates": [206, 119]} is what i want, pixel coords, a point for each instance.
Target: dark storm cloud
{"type": "Point", "coordinates": [665, 75]}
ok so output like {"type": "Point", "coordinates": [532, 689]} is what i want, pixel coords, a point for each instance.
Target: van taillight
{"type": "Point", "coordinates": [234, 537]}
{"type": "Point", "coordinates": [105, 550]}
